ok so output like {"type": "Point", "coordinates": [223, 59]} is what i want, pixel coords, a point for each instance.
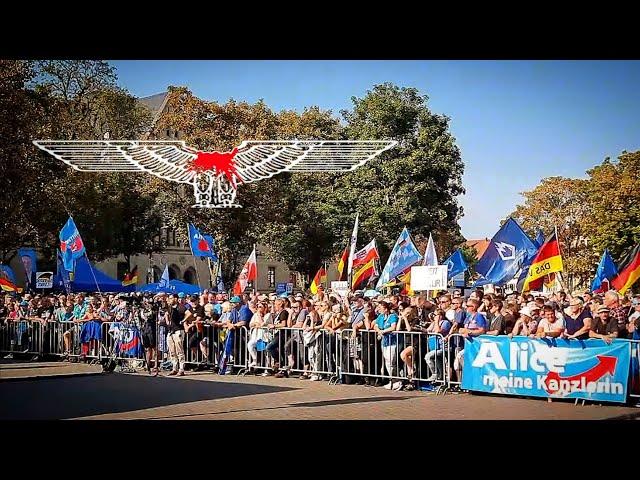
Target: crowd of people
{"type": "Point", "coordinates": [384, 339]}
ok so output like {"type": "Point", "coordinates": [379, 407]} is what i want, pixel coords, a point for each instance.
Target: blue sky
{"type": "Point", "coordinates": [514, 121]}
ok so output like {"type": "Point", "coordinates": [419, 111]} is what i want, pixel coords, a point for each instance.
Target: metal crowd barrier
{"type": "Point", "coordinates": [290, 349]}
{"type": "Point", "coordinates": [454, 347]}
{"type": "Point", "coordinates": [404, 357]}
{"type": "Point", "coordinates": [22, 336]}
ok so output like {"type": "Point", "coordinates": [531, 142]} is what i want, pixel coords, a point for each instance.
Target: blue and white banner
{"type": "Point", "coordinates": [555, 368]}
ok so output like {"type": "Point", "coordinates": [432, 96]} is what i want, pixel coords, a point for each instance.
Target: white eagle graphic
{"type": "Point", "coordinates": [215, 175]}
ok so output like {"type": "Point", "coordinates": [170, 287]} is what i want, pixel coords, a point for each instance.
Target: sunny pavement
{"type": "Point", "coordinates": [205, 396]}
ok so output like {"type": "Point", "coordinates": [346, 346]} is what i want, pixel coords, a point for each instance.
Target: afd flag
{"type": "Point", "coordinates": [71, 245]}
{"type": "Point", "coordinates": [29, 261]}
{"type": "Point", "coordinates": [404, 255]}
{"type": "Point", "coordinates": [509, 249]}
{"type": "Point", "coordinates": [539, 241]}
{"type": "Point", "coordinates": [201, 245]}
{"type": "Point", "coordinates": [607, 270]}
{"type": "Point", "coordinates": [554, 368]}
{"type": "Point", "coordinates": [455, 264]}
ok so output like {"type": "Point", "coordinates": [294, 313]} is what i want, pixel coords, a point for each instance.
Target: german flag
{"type": "Point", "coordinates": [7, 286]}
{"type": "Point", "coordinates": [319, 279]}
{"type": "Point", "coordinates": [342, 265]}
{"type": "Point", "coordinates": [362, 274]}
{"type": "Point", "coordinates": [546, 261]}
{"type": "Point", "coordinates": [629, 271]}
{"type": "Point", "coordinates": [131, 278]}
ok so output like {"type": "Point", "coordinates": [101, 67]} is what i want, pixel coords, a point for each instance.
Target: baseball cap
{"type": "Point", "coordinates": [526, 311]}
{"type": "Point", "coordinates": [603, 309]}
{"type": "Point", "coordinates": [358, 294]}
{"type": "Point", "coordinates": [262, 297]}
{"type": "Point", "coordinates": [181, 295]}
{"type": "Point", "coordinates": [235, 299]}
{"type": "Point", "coordinates": [635, 301]}
{"type": "Point", "coordinates": [299, 295]}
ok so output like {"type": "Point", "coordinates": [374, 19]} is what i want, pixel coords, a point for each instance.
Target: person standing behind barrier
{"type": "Point", "coordinates": [175, 337]}
{"type": "Point", "coordinates": [256, 334]}
{"type": "Point", "coordinates": [434, 359]}
{"type": "Point", "coordinates": [550, 325]}
{"type": "Point", "coordinates": [385, 326]}
{"type": "Point", "coordinates": [605, 327]}
{"type": "Point", "coordinates": [416, 343]}
{"type": "Point", "coordinates": [496, 326]}
{"type": "Point", "coordinates": [294, 346]}
{"type": "Point", "coordinates": [148, 317]}
{"type": "Point", "coordinates": [577, 319]}
{"type": "Point", "coordinates": [525, 326]}
{"type": "Point", "coordinates": [475, 324]}
{"type": "Point", "coordinates": [280, 318]}
{"type": "Point", "coordinates": [617, 311]}
{"type": "Point", "coordinates": [64, 315]}
{"type": "Point", "coordinates": [355, 311]}
{"type": "Point", "coordinates": [311, 338]}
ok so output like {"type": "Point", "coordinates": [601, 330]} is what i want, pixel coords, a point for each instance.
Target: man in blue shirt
{"type": "Point", "coordinates": [475, 324]}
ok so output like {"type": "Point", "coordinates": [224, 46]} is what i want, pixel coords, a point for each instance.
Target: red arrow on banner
{"type": "Point", "coordinates": [605, 365]}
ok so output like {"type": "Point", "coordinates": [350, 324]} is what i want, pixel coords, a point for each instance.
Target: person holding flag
{"type": "Point", "coordinates": [248, 274]}
{"type": "Point", "coordinates": [71, 245]}
{"type": "Point", "coordinates": [318, 280]}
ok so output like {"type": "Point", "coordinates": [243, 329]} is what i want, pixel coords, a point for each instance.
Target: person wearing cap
{"type": "Point", "coordinates": [578, 319]}
{"type": "Point", "coordinates": [605, 327]}
{"type": "Point", "coordinates": [239, 316]}
{"type": "Point", "coordinates": [525, 326]}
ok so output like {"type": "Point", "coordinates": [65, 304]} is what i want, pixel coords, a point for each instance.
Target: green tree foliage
{"type": "Point", "coordinates": [614, 194]}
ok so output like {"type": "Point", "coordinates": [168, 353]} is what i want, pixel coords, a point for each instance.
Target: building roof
{"type": "Point", "coordinates": [480, 245]}
{"type": "Point", "coordinates": [156, 103]}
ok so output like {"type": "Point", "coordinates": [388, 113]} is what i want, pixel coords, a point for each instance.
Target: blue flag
{"type": "Point", "coordinates": [539, 241]}
{"type": "Point", "coordinates": [71, 245]}
{"type": "Point", "coordinates": [455, 264]}
{"type": "Point", "coordinates": [201, 245]}
{"type": "Point", "coordinates": [404, 255]}
{"type": "Point", "coordinates": [164, 280]}
{"type": "Point", "coordinates": [509, 249]}
{"type": "Point", "coordinates": [607, 270]}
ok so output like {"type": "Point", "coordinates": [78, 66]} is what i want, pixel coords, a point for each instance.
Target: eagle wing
{"type": "Point", "coordinates": [258, 159]}
{"type": "Point", "coordinates": [169, 160]}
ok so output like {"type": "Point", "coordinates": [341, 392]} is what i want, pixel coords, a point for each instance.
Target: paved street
{"type": "Point", "coordinates": [204, 396]}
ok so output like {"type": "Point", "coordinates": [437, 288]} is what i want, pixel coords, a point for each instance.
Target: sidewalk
{"type": "Point", "coordinates": [21, 370]}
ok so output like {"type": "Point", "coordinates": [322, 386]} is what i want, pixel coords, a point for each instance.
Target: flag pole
{"type": "Point", "coordinates": [555, 228]}
{"type": "Point", "coordinates": [194, 257]}
{"type": "Point", "coordinates": [91, 268]}
{"type": "Point", "coordinates": [255, 284]}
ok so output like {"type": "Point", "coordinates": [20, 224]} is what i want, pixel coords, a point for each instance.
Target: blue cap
{"type": "Point", "coordinates": [284, 295]}
{"type": "Point", "coordinates": [181, 295]}
{"type": "Point", "coordinates": [235, 299]}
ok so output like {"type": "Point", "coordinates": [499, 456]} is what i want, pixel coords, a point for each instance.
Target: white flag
{"type": "Point", "coordinates": [430, 256]}
{"type": "Point", "coordinates": [352, 251]}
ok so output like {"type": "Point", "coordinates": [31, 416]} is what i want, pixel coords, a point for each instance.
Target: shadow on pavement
{"type": "Point", "coordinates": [323, 403]}
{"type": "Point", "coordinates": [58, 398]}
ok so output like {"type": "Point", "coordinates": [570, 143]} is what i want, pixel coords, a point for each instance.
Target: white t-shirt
{"type": "Point", "coordinates": [552, 327]}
